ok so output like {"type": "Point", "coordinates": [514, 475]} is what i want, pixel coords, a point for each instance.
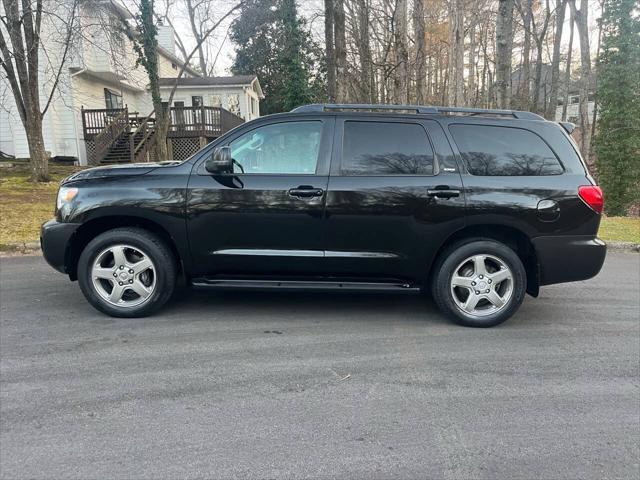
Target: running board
{"type": "Point", "coordinates": [257, 284]}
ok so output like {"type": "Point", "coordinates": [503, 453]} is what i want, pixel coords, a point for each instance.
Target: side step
{"type": "Point", "coordinates": [328, 285]}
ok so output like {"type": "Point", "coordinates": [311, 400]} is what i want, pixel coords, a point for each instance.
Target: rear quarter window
{"type": "Point", "coordinates": [504, 151]}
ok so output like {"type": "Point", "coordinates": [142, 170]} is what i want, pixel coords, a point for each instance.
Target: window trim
{"type": "Point", "coordinates": [338, 156]}
{"type": "Point", "coordinates": [322, 164]}
{"type": "Point", "coordinates": [462, 161]}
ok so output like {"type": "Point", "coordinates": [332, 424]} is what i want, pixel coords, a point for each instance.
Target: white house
{"type": "Point", "coordinates": [101, 73]}
{"type": "Point", "coordinates": [573, 108]}
{"type": "Point", "coordinates": [239, 94]}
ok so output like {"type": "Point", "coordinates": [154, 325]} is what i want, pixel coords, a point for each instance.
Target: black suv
{"type": "Point", "coordinates": [477, 206]}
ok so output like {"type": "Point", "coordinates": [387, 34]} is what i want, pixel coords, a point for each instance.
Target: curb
{"type": "Point", "coordinates": [623, 246]}
{"type": "Point", "coordinates": [22, 248]}
{"type": "Point", "coordinates": [33, 248]}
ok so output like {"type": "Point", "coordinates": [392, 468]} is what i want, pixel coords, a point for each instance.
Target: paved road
{"type": "Point", "coordinates": [276, 385]}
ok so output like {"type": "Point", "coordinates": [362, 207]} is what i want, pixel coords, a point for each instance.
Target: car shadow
{"type": "Point", "coordinates": [191, 303]}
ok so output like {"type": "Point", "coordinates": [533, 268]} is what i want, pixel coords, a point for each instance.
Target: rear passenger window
{"type": "Point", "coordinates": [378, 148]}
{"type": "Point", "coordinates": [504, 151]}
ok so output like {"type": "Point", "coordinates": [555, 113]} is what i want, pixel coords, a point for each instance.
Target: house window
{"type": "Point", "coordinates": [196, 101]}
{"type": "Point", "coordinates": [112, 99]}
{"type": "Point", "coordinates": [174, 66]}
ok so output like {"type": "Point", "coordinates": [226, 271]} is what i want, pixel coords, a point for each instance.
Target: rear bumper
{"type": "Point", "coordinates": [54, 240]}
{"type": "Point", "coordinates": [569, 258]}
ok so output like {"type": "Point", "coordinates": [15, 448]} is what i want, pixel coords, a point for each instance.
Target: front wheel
{"type": "Point", "coordinates": [480, 283]}
{"type": "Point", "coordinates": [127, 272]}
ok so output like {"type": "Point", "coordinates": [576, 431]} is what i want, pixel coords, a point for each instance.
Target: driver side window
{"type": "Point", "coordinates": [285, 148]}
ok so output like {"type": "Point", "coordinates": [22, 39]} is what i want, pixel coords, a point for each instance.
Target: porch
{"type": "Point", "coordinates": [120, 135]}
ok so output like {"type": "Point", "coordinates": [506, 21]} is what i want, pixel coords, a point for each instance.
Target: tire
{"type": "Point", "coordinates": [145, 283]}
{"type": "Point", "coordinates": [458, 281]}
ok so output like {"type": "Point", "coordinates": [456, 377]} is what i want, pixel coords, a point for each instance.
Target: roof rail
{"type": "Point", "coordinates": [323, 107]}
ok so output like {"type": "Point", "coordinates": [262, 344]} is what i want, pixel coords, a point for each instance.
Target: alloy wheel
{"type": "Point", "coordinates": [124, 276]}
{"type": "Point", "coordinates": [481, 285]}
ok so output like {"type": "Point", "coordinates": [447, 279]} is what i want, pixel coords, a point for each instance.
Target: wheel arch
{"type": "Point", "coordinates": [514, 238]}
{"type": "Point", "coordinates": [94, 227]}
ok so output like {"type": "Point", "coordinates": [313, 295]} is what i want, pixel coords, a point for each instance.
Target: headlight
{"type": "Point", "coordinates": [65, 195]}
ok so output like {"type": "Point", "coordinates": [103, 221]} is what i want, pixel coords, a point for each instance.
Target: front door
{"type": "Point", "coordinates": [267, 217]}
{"type": "Point", "coordinates": [395, 194]}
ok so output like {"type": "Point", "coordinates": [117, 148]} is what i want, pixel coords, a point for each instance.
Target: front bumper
{"type": "Point", "coordinates": [54, 241]}
{"type": "Point", "coordinates": [569, 258]}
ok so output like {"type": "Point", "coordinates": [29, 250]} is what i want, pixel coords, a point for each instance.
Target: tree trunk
{"type": "Point", "coordinates": [330, 50]}
{"type": "Point", "coordinates": [340, 51]}
{"type": "Point", "coordinates": [364, 51]}
{"type": "Point", "coordinates": [550, 110]}
{"type": "Point", "coordinates": [581, 17]}
{"type": "Point", "coordinates": [401, 54]}
{"type": "Point", "coordinates": [525, 73]}
{"type": "Point", "coordinates": [39, 160]}
{"type": "Point", "coordinates": [504, 45]}
{"type": "Point", "coordinates": [539, 38]}
{"type": "Point", "coordinates": [567, 72]}
{"type": "Point", "coordinates": [456, 53]}
{"type": "Point", "coordinates": [471, 92]}
{"type": "Point", "coordinates": [419, 29]}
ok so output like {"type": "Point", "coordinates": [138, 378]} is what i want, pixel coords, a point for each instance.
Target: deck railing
{"type": "Point", "coordinates": [185, 121]}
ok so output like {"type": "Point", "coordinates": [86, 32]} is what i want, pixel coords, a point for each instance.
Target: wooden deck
{"type": "Point", "coordinates": [118, 135]}
{"type": "Point", "coordinates": [210, 122]}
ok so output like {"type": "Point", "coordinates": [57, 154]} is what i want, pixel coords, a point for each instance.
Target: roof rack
{"type": "Point", "coordinates": [324, 107]}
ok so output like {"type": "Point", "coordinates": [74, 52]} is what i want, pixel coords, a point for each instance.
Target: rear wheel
{"type": "Point", "coordinates": [127, 272]}
{"type": "Point", "coordinates": [479, 283]}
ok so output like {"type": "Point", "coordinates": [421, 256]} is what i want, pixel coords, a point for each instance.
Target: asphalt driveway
{"type": "Point", "coordinates": [291, 385]}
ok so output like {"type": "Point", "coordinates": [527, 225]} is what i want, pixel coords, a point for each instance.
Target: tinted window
{"type": "Point", "coordinates": [289, 147]}
{"type": "Point", "coordinates": [373, 148]}
{"type": "Point", "coordinates": [504, 151]}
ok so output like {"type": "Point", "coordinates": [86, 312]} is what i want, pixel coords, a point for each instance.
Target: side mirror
{"type": "Point", "coordinates": [220, 161]}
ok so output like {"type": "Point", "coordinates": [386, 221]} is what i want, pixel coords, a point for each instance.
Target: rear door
{"type": "Point", "coordinates": [395, 194]}
{"type": "Point", "coordinates": [267, 216]}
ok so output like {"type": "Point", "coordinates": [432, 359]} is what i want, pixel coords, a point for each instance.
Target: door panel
{"type": "Point", "coordinates": [383, 225]}
{"type": "Point", "coordinates": [262, 223]}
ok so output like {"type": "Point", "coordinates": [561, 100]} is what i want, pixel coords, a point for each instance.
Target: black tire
{"type": "Point", "coordinates": [164, 270]}
{"type": "Point", "coordinates": [446, 265]}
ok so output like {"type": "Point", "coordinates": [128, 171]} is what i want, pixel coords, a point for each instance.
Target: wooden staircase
{"type": "Point", "coordinates": [116, 136]}
{"type": "Point", "coordinates": [125, 140]}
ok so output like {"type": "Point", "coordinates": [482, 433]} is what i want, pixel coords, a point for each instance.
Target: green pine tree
{"type": "Point", "coordinates": [617, 141]}
{"type": "Point", "coordinates": [273, 43]}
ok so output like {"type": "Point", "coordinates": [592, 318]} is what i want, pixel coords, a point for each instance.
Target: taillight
{"type": "Point", "coordinates": [592, 196]}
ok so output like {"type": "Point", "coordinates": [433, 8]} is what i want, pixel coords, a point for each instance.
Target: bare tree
{"type": "Point", "coordinates": [419, 28]}
{"type": "Point", "coordinates": [143, 35]}
{"type": "Point", "coordinates": [21, 49]}
{"type": "Point", "coordinates": [330, 49]}
{"type": "Point", "coordinates": [567, 71]}
{"type": "Point", "coordinates": [539, 36]}
{"type": "Point", "coordinates": [524, 80]}
{"type": "Point", "coordinates": [401, 76]}
{"type": "Point", "coordinates": [550, 110]}
{"type": "Point", "coordinates": [582, 24]}
{"type": "Point", "coordinates": [456, 53]}
{"type": "Point", "coordinates": [340, 50]}
{"type": "Point", "coordinates": [504, 45]}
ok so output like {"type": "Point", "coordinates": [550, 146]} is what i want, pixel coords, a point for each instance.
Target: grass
{"type": "Point", "coordinates": [25, 205]}
{"type": "Point", "coordinates": [623, 229]}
